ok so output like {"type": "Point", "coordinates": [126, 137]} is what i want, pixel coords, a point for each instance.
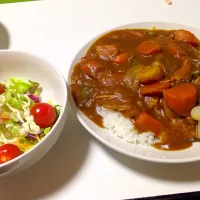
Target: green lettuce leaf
{"type": "Point", "coordinates": [19, 86]}
{"type": "Point", "coordinates": [13, 101]}
{"type": "Point", "coordinates": [46, 130]}
{"type": "Point", "coordinates": [14, 130]}
{"type": "Point", "coordinates": [57, 109]}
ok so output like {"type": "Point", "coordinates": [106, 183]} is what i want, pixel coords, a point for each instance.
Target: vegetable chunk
{"type": "Point", "coordinates": [149, 47]}
{"type": "Point", "coordinates": [155, 88]}
{"type": "Point", "coordinates": [181, 98]}
{"type": "Point", "coordinates": [146, 122]}
{"type": "Point", "coordinates": [186, 36]}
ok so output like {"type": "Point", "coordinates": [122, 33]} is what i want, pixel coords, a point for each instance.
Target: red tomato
{"type": "Point", "coordinates": [8, 152]}
{"type": "Point", "coordinates": [44, 114]}
{"type": "Point", "coordinates": [2, 89]}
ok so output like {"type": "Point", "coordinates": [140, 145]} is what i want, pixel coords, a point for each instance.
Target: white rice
{"type": "Point", "coordinates": [124, 128]}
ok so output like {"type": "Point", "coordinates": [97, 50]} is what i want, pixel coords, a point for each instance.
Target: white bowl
{"type": "Point", "coordinates": [26, 66]}
{"type": "Point", "coordinates": [117, 144]}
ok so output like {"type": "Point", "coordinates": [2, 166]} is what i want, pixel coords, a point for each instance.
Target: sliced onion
{"type": "Point", "coordinates": [37, 133]}
{"type": "Point", "coordinates": [34, 98]}
{"type": "Point", "coordinates": [31, 136]}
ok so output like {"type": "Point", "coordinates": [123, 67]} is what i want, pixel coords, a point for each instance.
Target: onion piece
{"type": "Point", "coordinates": [122, 107]}
{"type": "Point", "coordinates": [34, 98]}
{"type": "Point", "coordinates": [31, 136]}
{"type": "Point", "coordinates": [106, 96]}
{"type": "Point", "coordinates": [195, 113]}
{"type": "Point", "coordinates": [36, 133]}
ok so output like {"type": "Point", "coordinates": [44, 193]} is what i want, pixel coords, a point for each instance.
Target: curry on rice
{"type": "Point", "coordinates": [151, 76]}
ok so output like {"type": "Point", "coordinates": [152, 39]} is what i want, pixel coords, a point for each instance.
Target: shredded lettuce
{"type": "Point", "coordinates": [57, 108]}
{"type": "Point", "coordinates": [46, 130]}
{"type": "Point", "coordinates": [14, 129]}
{"type": "Point", "coordinates": [25, 144]}
{"type": "Point", "coordinates": [5, 132]}
{"type": "Point", "coordinates": [15, 91]}
{"type": "Point", "coordinates": [13, 101]}
{"type": "Point", "coordinates": [18, 86]}
{"type": "Point", "coordinates": [4, 108]}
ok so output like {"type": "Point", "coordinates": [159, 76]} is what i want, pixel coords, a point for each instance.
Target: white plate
{"type": "Point", "coordinates": [117, 144]}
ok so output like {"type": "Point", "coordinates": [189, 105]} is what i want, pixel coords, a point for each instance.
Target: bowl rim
{"type": "Point", "coordinates": [76, 110]}
{"type": "Point", "coordinates": [63, 110]}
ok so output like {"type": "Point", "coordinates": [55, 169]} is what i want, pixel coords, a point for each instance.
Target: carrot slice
{"type": "Point", "coordinates": [155, 88]}
{"type": "Point", "coordinates": [176, 50]}
{"type": "Point", "coordinates": [168, 112]}
{"type": "Point", "coordinates": [146, 122]}
{"type": "Point", "coordinates": [121, 58]}
{"type": "Point", "coordinates": [38, 139]}
{"type": "Point", "coordinates": [183, 72]}
{"type": "Point", "coordinates": [149, 47]}
{"type": "Point", "coordinates": [186, 36]}
{"type": "Point", "coordinates": [181, 98]}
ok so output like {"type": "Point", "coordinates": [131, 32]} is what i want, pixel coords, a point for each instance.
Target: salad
{"type": "Point", "coordinates": [24, 118]}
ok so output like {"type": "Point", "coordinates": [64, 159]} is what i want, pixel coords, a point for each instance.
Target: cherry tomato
{"type": "Point", "coordinates": [8, 152]}
{"type": "Point", "coordinates": [44, 114]}
{"type": "Point", "coordinates": [2, 89]}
